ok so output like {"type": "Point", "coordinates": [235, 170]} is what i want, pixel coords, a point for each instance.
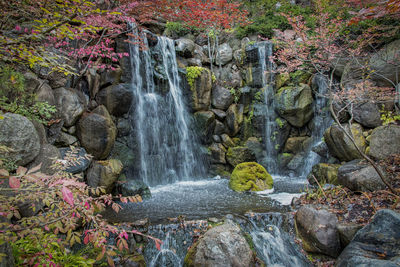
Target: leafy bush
{"type": "Point", "coordinates": [15, 98]}
{"type": "Point", "coordinates": [177, 28]}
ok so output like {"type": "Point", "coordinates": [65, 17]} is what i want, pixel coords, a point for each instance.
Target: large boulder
{"type": "Point", "coordinates": [43, 91]}
{"type": "Point", "coordinates": [224, 54]}
{"type": "Point", "coordinates": [340, 146]}
{"type": "Point", "coordinates": [69, 105]}
{"type": "Point", "coordinates": [358, 176]}
{"type": "Point", "coordinates": [377, 244]}
{"type": "Point", "coordinates": [77, 158]}
{"type": "Point", "coordinates": [296, 144]}
{"type": "Point", "coordinates": [116, 98]}
{"type": "Point", "coordinates": [96, 132]}
{"type": "Point", "coordinates": [295, 104]}
{"type": "Point", "coordinates": [367, 114]}
{"type": "Point", "coordinates": [317, 229]}
{"type": "Point", "coordinates": [324, 173]}
{"type": "Point", "coordinates": [384, 141]}
{"type": "Point", "coordinates": [382, 65]}
{"type": "Point", "coordinates": [19, 135]}
{"type": "Point", "coordinates": [133, 188]}
{"type": "Point", "coordinates": [185, 47]}
{"type": "Point", "coordinates": [239, 154]}
{"type": "Point", "coordinates": [104, 173]}
{"type": "Point", "coordinates": [48, 153]}
{"type": "Point", "coordinates": [250, 176]}
{"type": "Point", "coordinates": [234, 118]}
{"type": "Point", "coordinates": [200, 83]}
{"type": "Point", "coordinates": [221, 246]}
{"type": "Point", "coordinates": [218, 152]}
{"type": "Point", "coordinates": [221, 97]}
{"type": "Point", "coordinates": [205, 124]}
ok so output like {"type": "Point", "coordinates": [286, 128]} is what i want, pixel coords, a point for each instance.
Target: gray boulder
{"type": "Point", "coordinates": [224, 54]}
{"type": "Point", "coordinates": [47, 155]}
{"type": "Point", "coordinates": [201, 91]}
{"type": "Point", "coordinates": [133, 188]}
{"type": "Point", "coordinates": [239, 154]}
{"type": "Point", "coordinates": [377, 244]}
{"type": "Point", "coordinates": [96, 132]}
{"type": "Point", "coordinates": [340, 145]}
{"type": "Point", "coordinates": [384, 141]}
{"type": "Point", "coordinates": [221, 97]}
{"type": "Point", "coordinates": [104, 173]}
{"type": "Point", "coordinates": [19, 135]}
{"type": "Point", "coordinates": [218, 152]}
{"type": "Point", "coordinates": [205, 124]}
{"type": "Point", "coordinates": [69, 105]}
{"type": "Point", "coordinates": [324, 173]}
{"type": "Point", "coordinates": [294, 104]}
{"type": "Point", "coordinates": [184, 47]}
{"type": "Point", "coordinates": [234, 118]}
{"type": "Point", "coordinates": [221, 246]}
{"type": "Point", "coordinates": [358, 176]}
{"type": "Point", "coordinates": [116, 98]}
{"type": "Point", "coordinates": [81, 161]}
{"type": "Point", "coordinates": [317, 229]}
{"type": "Point", "coordinates": [367, 114]}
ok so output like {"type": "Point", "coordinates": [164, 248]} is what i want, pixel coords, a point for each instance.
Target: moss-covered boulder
{"type": "Point", "coordinates": [104, 173]}
{"type": "Point", "coordinates": [239, 154]}
{"type": "Point", "coordinates": [282, 79]}
{"type": "Point", "coordinates": [250, 176]}
{"type": "Point", "coordinates": [200, 82]}
{"type": "Point", "coordinates": [324, 173]}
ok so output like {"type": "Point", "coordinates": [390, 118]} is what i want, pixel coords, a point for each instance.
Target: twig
{"type": "Point", "coordinates": [320, 187]}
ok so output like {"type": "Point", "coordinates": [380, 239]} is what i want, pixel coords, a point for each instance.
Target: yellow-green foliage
{"type": "Point", "coordinates": [192, 73]}
{"type": "Point", "coordinates": [250, 176]}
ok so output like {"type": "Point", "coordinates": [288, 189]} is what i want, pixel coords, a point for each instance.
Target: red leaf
{"type": "Point", "coordinates": [14, 182]}
{"type": "Point", "coordinates": [158, 245]}
{"type": "Point", "coordinates": [67, 196]}
{"type": "Point", "coordinates": [86, 239]}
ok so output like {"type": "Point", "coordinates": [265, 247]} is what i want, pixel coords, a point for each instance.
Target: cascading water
{"type": "Point", "coordinates": [166, 145]}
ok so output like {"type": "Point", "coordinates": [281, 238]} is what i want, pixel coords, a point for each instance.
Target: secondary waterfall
{"type": "Point", "coordinates": [166, 144]}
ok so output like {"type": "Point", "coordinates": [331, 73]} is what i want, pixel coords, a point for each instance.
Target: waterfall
{"type": "Point", "coordinates": [166, 146]}
{"type": "Point", "coordinates": [265, 52]}
{"type": "Point", "coordinates": [272, 242]}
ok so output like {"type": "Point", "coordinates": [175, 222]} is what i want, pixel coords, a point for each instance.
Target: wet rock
{"type": "Point", "coordinates": [317, 229]}
{"type": "Point", "coordinates": [384, 141]}
{"type": "Point", "coordinates": [340, 145]}
{"type": "Point", "coordinates": [220, 114]}
{"type": "Point", "coordinates": [201, 90]}
{"type": "Point", "coordinates": [295, 104]}
{"type": "Point", "coordinates": [46, 157]}
{"type": "Point", "coordinates": [221, 97]}
{"type": "Point", "coordinates": [321, 149]}
{"type": "Point", "coordinates": [19, 135]}
{"type": "Point", "coordinates": [358, 176]}
{"type": "Point", "coordinates": [377, 244]}
{"type": "Point", "coordinates": [110, 77]}
{"type": "Point", "coordinates": [184, 47]}
{"type": "Point", "coordinates": [221, 246]}
{"type": "Point", "coordinates": [239, 154]}
{"type": "Point", "coordinates": [126, 155]}
{"type": "Point", "coordinates": [116, 98]}
{"type": "Point", "coordinates": [284, 159]}
{"type": "Point", "coordinates": [96, 132]}
{"type": "Point", "coordinates": [227, 141]}
{"type": "Point", "coordinates": [325, 173]}
{"type": "Point", "coordinates": [295, 144]}
{"type": "Point", "coordinates": [347, 231]}
{"type": "Point", "coordinates": [65, 139]}
{"type": "Point", "coordinates": [250, 176]}
{"type": "Point", "coordinates": [81, 162]}
{"type": "Point", "coordinates": [219, 128]}
{"type": "Point", "coordinates": [367, 114]}
{"type": "Point", "coordinates": [69, 105]}
{"type": "Point", "coordinates": [224, 54]}
{"type": "Point", "coordinates": [255, 147]}
{"type": "Point", "coordinates": [297, 162]}
{"type": "Point", "coordinates": [281, 80]}
{"type": "Point", "coordinates": [104, 173]}
{"type": "Point", "coordinates": [234, 118]}
{"type": "Point", "coordinates": [218, 152]}
{"type": "Point", "coordinates": [205, 124]}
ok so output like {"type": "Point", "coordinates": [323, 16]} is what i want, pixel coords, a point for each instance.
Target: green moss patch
{"type": "Point", "coordinates": [250, 176]}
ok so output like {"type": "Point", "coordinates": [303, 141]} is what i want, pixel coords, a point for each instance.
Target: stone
{"type": "Point", "coordinates": [19, 135]}
{"type": "Point", "coordinates": [201, 90]}
{"type": "Point", "coordinates": [221, 246]}
{"type": "Point", "coordinates": [104, 173]}
{"type": "Point", "coordinates": [358, 176]}
{"type": "Point", "coordinates": [255, 147]}
{"type": "Point", "coordinates": [8, 259]}
{"type": "Point", "coordinates": [229, 75]}
{"type": "Point", "coordinates": [250, 176]}
{"type": "Point", "coordinates": [116, 98]}
{"type": "Point", "coordinates": [347, 231]}
{"type": "Point", "coordinates": [340, 146]}
{"type": "Point", "coordinates": [81, 161]}
{"type": "Point", "coordinates": [205, 124]}
{"type": "Point", "coordinates": [43, 91]}
{"type": "Point", "coordinates": [284, 159]}
{"type": "Point", "coordinates": [221, 97]}
{"type": "Point", "coordinates": [216, 138]}
{"type": "Point", "coordinates": [65, 139]}
{"type": "Point", "coordinates": [47, 155]}
{"type": "Point", "coordinates": [384, 141]}
{"type": "Point", "coordinates": [239, 154]}
{"type": "Point", "coordinates": [126, 155]}
{"type": "Point", "coordinates": [294, 104]}
{"type": "Point", "coordinates": [376, 244]}
{"type": "Point", "coordinates": [219, 128]}
{"type": "Point", "coordinates": [227, 141]}
{"type": "Point", "coordinates": [220, 114]}
{"type": "Point", "coordinates": [224, 54]}
{"type": "Point", "coordinates": [110, 77]}
{"type": "Point", "coordinates": [318, 231]}
{"type": "Point", "coordinates": [382, 66]}
{"type": "Point", "coordinates": [295, 144]}
{"type": "Point", "coordinates": [69, 105]}
{"type": "Point", "coordinates": [297, 162]}
{"type": "Point", "coordinates": [218, 152]}
{"type": "Point", "coordinates": [281, 80]}
{"type": "Point", "coordinates": [234, 118]}
{"type": "Point", "coordinates": [184, 47]}
{"type": "Point", "coordinates": [367, 114]}
{"type": "Point", "coordinates": [96, 132]}
{"type": "Point", "coordinates": [321, 149]}
{"type": "Point", "coordinates": [41, 131]}
{"type": "Point", "coordinates": [325, 173]}
{"type": "Point", "coordinates": [56, 79]}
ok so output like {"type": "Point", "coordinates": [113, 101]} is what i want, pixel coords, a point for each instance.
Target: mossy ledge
{"type": "Point", "coordinates": [250, 176]}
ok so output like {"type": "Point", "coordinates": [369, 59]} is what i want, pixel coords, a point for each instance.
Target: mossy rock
{"type": "Point", "coordinates": [250, 176]}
